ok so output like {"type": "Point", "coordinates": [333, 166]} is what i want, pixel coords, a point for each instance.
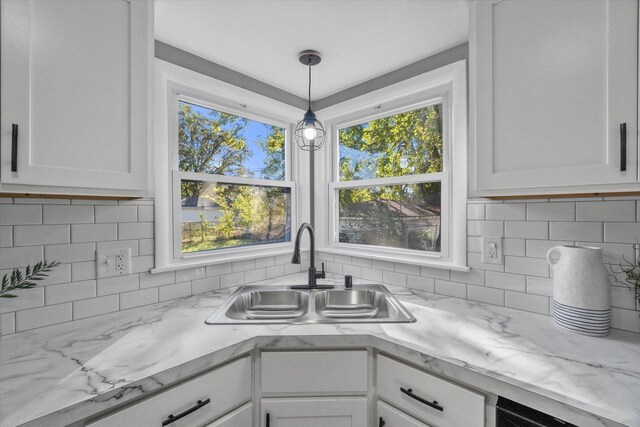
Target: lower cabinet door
{"type": "Point", "coordinates": [241, 417]}
{"type": "Point", "coordinates": [388, 416]}
{"type": "Point", "coordinates": [314, 412]}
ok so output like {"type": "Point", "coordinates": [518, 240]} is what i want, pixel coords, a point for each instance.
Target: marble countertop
{"type": "Point", "coordinates": [64, 373]}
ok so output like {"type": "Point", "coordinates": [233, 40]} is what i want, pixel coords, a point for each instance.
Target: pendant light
{"type": "Point", "coordinates": [309, 132]}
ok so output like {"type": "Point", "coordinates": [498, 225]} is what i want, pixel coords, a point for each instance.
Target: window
{"type": "Point", "coordinates": [397, 172]}
{"type": "Point", "coordinates": [229, 187]}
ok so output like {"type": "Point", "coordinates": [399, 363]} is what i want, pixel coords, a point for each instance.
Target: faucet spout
{"type": "Point", "coordinates": [295, 259]}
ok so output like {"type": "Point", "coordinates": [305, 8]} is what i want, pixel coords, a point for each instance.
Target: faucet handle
{"type": "Point", "coordinates": [321, 274]}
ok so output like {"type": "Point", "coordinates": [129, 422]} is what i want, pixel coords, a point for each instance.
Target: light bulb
{"type": "Point", "coordinates": [310, 133]}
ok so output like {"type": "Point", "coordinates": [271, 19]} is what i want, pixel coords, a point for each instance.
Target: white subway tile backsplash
{"type": "Point", "coordinates": [612, 253]}
{"type": "Point", "coordinates": [527, 302]}
{"type": "Point", "coordinates": [105, 214]}
{"type": "Point", "coordinates": [436, 273]}
{"type": "Point", "coordinates": [452, 289]}
{"type": "Point", "coordinates": [71, 214]}
{"type": "Point", "coordinates": [606, 211]}
{"type": "Point", "coordinates": [353, 270]}
{"type": "Point", "coordinates": [540, 286]}
{"type": "Point", "coordinates": [274, 271]}
{"type": "Point", "coordinates": [551, 211]}
{"type": "Point", "coordinates": [29, 235]}
{"type": "Point", "coordinates": [67, 292]}
{"type": "Point", "coordinates": [148, 280]}
{"type": "Point", "coordinates": [218, 269]}
{"type": "Point", "coordinates": [342, 259]}
{"type": "Point", "coordinates": [527, 229]}
{"type": "Point", "coordinates": [95, 306]}
{"type": "Point", "coordinates": [60, 274]}
{"type": "Point", "coordinates": [627, 320]}
{"type": "Point", "coordinates": [361, 262]}
{"type": "Point", "coordinates": [135, 230]}
{"type": "Point", "coordinates": [393, 278]}
{"type": "Point", "coordinates": [265, 262]}
{"type": "Point", "coordinates": [574, 231]}
{"type": "Point", "coordinates": [177, 290]}
{"type": "Point", "coordinates": [407, 269]}
{"type": "Point", "coordinates": [43, 316]}
{"type": "Point", "coordinates": [83, 271]}
{"type": "Point", "coordinates": [474, 244]}
{"type": "Point", "coordinates": [20, 214]}
{"type": "Point", "coordinates": [486, 295]}
{"type": "Point", "coordinates": [145, 214]}
{"type": "Point", "coordinates": [474, 276]}
{"type": "Point", "coordinates": [623, 297]}
{"type": "Point", "coordinates": [74, 252]}
{"type": "Point", "coordinates": [205, 285]}
{"type": "Point", "coordinates": [138, 298]}
{"type": "Point", "coordinates": [146, 247]}
{"type": "Point", "coordinates": [475, 261]}
{"type": "Point", "coordinates": [330, 267]}
{"type": "Point", "coordinates": [383, 265]}
{"type": "Point", "coordinates": [247, 264]}
{"type": "Point", "coordinates": [508, 281]}
{"type": "Point", "coordinates": [93, 232]}
{"type": "Point", "coordinates": [119, 244]}
{"type": "Point", "coordinates": [255, 275]}
{"type": "Point", "coordinates": [509, 211]}
{"type": "Point", "coordinates": [485, 228]}
{"type": "Point", "coordinates": [7, 323]}
{"type": "Point", "coordinates": [229, 280]}
{"type": "Point", "coordinates": [190, 274]}
{"type": "Point", "coordinates": [622, 232]}
{"type": "Point", "coordinates": [528, 266]}
{"type": "Point", "coordinates": [22, 256]}
{"type": "Point", "coordinates": [515, 247]}
{"type": "Point", "coordinates": [118, 284]}
{"type": "Point", "coordinates": [539, 248]}
{"type": "Point", "coordinates": [421, 283]}
{"type": "Point", "coordinates": [26, 298]}
{"type": "Point", "coordinates": [475, 211]}
{"type": "Point", "coordinates": [6, 236]}
{"type": "Point", "coordinates": [372, 274]}
{"type": "Point", "coordinates": [140, 264]}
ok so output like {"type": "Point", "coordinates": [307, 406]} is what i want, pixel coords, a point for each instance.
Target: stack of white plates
{"type": "Point", "coordinates": [582, 320]}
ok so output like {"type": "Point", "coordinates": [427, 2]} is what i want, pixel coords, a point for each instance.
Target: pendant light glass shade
{"type": "Point", "coordinates": [309, 132]}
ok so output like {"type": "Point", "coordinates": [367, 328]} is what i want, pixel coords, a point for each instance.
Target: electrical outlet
{"type": "Point", "coordinates": [113, 262]}
{"type": "Point", "coordinates": [492, 250]}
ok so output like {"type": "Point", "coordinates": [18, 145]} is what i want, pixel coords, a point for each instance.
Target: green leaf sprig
{"type": "Point", "coordinates": [631, 270]}
{"type": "Point", "coordinates": [16, 280]}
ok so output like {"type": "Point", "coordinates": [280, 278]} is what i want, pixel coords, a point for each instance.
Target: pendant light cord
{"type": "Point", "coordinates": [309, 83]}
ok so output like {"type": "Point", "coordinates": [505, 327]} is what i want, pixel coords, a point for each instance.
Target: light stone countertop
{"type": "Point", "coordinates": [64, 373]}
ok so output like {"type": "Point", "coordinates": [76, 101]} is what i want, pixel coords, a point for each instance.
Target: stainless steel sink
{"type": "Point", "coordinates": [278, 304]}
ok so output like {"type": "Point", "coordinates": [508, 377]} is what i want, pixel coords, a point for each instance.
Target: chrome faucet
{"type": "Point", "coordinates": [312, 273]}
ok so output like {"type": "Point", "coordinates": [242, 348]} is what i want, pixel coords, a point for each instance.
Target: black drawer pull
{"type": "Point", "coordinates": [381, 422]}
{"type": "Point", "coordinates": [434, 404]}
{"type": "Point", "coordinates": [623, 147]}
{"type": "Point", "coordinates": [173, 418]}
{"type": "Point", "coordinates": [14, 147]}
{"type": "Point", "coordinates": [267, 420]}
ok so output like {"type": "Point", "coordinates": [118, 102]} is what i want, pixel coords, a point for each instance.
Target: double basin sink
{"type": "Point", "coordinates": [279, 304]}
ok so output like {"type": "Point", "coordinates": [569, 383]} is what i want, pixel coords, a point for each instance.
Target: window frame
{"type": "Point", "coordinates": [174, 84]}
{"type": "Point", "coordinates": [446, 85]}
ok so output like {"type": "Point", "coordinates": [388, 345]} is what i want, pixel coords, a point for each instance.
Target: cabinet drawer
{"type": "Point", "coordinates": [428, 398]}
{"type": "Point", "coordinates": [388, 416]}
{"type": "Point", "coordinates": [241, 417]}
{"type": "Point", "coordinates": [314, 371]}
{"type": "Point", "coordinates": [225, 387]}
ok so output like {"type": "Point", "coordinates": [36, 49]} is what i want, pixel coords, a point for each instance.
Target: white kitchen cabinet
{"type": "Point", "coordinates": [75, 81]}
{"type": "Point", "coordinates": [314, 412]}
{"type": "Point", "coordinates": [241, 417]}
{"type": "Point", "coordinates": [201, 400]}
{"type": "Point", "coordinates": [430, 399]}
{"type": "Point", "coordinates": [551, 83]}
{"type": "Point", "coordinates": [314, 372]}
{"type": "Point", "coordinates": [388, 416]}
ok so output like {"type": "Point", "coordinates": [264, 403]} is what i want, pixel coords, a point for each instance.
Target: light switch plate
{"type": "Point", "coordinates": [492, 250]}
{"type": "Point", "coordinates": [113, 262]}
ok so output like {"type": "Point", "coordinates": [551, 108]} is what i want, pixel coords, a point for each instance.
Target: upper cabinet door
{"type": "Point", "coordinates": [552, 81]}
{"type": "Point", "coordinates": [75, 77]}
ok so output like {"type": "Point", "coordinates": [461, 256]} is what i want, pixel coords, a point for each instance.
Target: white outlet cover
{"type": "Point", "coordinates": [487, 241]}
{"type": "Point", "coordinates": [113, 262]}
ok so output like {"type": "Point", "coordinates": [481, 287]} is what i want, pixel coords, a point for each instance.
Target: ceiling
{"type": "Point", "coordinates": [358, 39]}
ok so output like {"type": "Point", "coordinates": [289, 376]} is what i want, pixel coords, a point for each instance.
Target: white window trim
{"type": "Point", "coordinates": [174, 83]}
{"type": "Point", "coordinates": [447, 84]}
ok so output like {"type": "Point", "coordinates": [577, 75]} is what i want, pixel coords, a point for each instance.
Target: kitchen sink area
{"type": "Point", "coordinates": [270, 304]}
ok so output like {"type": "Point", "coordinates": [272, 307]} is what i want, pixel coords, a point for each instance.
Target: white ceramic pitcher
{"type": "Point", "coordinates": [579, 277]}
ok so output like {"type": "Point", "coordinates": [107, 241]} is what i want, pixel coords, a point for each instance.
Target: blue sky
{"type": "Point", "coordinates": [254, 131]}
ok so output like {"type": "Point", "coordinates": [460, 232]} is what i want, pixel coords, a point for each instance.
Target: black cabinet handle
{"type": "Point", "coordinates": [267, 420]}
{"type": "Point", "coordinates": [173, 418]}
{"type": "Point", "coordinates": [14, 147]}
{"type": "Point", "coordinates": [433, 404]}
{"type": "Point", "coordinates": [623, 147]}
{"type": "Point", "coordinates": [381, 422]}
